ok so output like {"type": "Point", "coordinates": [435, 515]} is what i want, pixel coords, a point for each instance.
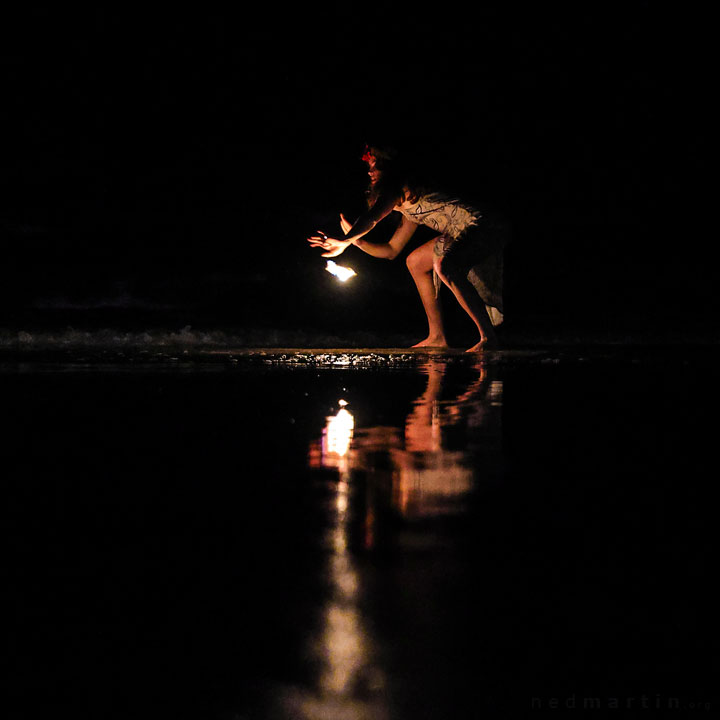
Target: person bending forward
{"type": "Point", "coordinates": [466, 255]}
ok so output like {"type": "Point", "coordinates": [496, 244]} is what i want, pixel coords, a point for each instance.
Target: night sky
{"type": "Point", "coordinates": [167, 166]}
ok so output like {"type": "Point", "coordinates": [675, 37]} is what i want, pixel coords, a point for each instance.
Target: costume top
{"type": "Point", "coordinates": [447, 215]}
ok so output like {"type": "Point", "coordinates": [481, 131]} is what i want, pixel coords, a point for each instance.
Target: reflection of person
{"type": "Point", "coordinates": [428, 477]}
{"type": "Point", "coordinates": [424, 424]}
{"type": "Point", "coordinates": [466, 255]}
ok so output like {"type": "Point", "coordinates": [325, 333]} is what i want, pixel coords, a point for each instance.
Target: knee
{"type": "Point", "coordinates": [414, 262]}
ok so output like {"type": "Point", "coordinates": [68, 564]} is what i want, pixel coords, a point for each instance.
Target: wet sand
{"type": "Point", "coordinates": [359, 533]}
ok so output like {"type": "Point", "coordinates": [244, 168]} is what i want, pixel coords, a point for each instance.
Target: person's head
{"type": "Point", "coordinates": [387, 171]}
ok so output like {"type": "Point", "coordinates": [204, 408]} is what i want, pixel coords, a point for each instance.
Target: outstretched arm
{"type": "Point", "coordinates": [364, 224]}
{"type": "Point", "coordinates": [389, 250]}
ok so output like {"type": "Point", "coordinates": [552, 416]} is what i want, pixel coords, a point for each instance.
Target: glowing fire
{"type": "Point", "coordinates": [340, 272]}
{"type": "Point", "coordinates": [339, 432]}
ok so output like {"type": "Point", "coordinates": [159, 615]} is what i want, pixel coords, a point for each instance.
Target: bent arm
{"type": "Point", "coordinates": [391, 249]}
{"type": "Point", "coordinates": [367, 221]}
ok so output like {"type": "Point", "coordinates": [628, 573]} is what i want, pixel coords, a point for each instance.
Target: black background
{"type": "Point", "coordinates": [165, 167]}
{"type": "Point", "coordinates": [162, 168]}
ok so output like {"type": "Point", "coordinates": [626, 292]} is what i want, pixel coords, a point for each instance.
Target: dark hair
{"type": "Point", "coordinates": [397, 179]}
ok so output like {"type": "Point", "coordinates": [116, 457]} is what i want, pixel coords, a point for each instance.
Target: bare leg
{"type": "Point", "coordinates": [420, 265]}
{"type": "Point", "coordinates": [470, 301]}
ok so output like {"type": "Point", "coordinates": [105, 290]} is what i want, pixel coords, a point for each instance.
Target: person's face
{"type": "Point", "coordinates": [373, 170]}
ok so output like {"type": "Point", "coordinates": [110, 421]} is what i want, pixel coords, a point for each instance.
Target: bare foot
{"type": "Point", "coordinates": [440, 342]}
{"type": "Point", "coordinates": [484, 344]}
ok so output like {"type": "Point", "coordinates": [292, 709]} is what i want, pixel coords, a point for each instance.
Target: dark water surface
{"type": "Point", "coordinates": [359, 534]}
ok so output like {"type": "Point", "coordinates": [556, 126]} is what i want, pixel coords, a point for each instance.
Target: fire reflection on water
{"type": "Point", "coordinates": [425, 477]}
{"type": "Point", "coordinates": [336, 438]}
{"type": "Point", "coordinates": [349, 684]}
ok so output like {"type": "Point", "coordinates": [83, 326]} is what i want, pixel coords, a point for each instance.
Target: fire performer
{"type": "Point", "coordinates": [466, 255]}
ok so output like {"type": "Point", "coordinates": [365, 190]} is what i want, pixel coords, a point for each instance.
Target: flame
{"type": "Point", "coordinates": [340, 272]}
{"type": "Point", "coordinates": [333, 449]}
{"type": "Point", "coordinates": [338, 433]}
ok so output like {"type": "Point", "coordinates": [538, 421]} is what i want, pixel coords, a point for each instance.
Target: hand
{"type": "Point", "coordinates": [344, 224]}
{"type": "Point", "coordinates": [333, 246]}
